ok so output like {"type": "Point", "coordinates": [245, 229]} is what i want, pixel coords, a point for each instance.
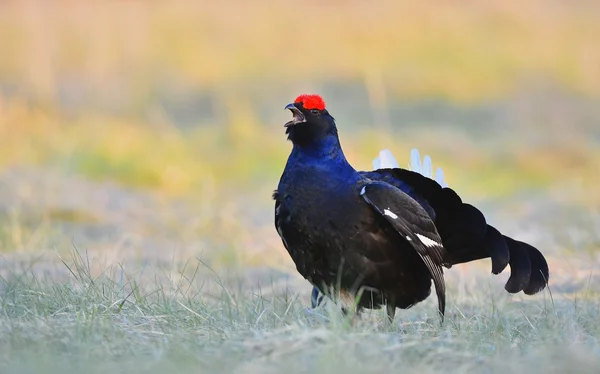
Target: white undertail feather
{"type": "Point", "coordinates": [386, 160]}
{"type": "Point", "coordinates": [415, 161]}
{"type": "Point", "coordinates": [439, 177]}
{"type": "Point", "coordinates": [426, 171]}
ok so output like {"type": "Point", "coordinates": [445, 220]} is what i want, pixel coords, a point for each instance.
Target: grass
{"type": "Point", "coordinates": [142, 320]}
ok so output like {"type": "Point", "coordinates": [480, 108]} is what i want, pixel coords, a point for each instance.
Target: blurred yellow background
{"type": "Point", "coordinates": [185, 99]}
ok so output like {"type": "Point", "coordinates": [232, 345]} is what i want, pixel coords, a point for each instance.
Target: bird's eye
{"type": "Point", "coordinates": [314, 111]}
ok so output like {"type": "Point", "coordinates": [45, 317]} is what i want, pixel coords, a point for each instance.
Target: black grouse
{"type": "Point", "coordinates": [371, 238]}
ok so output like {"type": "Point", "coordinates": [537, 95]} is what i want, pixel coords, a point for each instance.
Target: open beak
{"type": "Point", "coordinates": [298, 116]}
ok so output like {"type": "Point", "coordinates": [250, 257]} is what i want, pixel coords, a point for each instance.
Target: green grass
{"type": "Point", "coordinates": [126, 319]}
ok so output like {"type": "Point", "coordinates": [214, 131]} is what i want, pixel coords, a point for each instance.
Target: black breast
{"type": "Point", "coordinates": [343, 244]}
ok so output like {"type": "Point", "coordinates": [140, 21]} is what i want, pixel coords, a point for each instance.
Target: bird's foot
{"type": "Point", "coordinates": [390, 313]}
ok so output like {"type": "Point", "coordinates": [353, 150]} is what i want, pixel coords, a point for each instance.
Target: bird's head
{"type": "Point", "coordinates": [311, 122]}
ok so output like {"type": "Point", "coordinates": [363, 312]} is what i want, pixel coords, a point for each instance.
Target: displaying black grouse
{"type": "Point", "coordinates": [374, 238]}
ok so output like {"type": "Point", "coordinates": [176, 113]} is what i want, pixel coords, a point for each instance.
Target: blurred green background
{"type": "Point", "coordinates": [159, 124]}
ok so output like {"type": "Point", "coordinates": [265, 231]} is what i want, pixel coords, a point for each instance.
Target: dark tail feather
{"type": "Point", "coordinates": [539, 270]}
{"type": "Point", "coordinates": [467, 237]}
{"type": "Point", "coordinates": [497, 249]}
{"type": "Point", "coordinates": [520, 266]}
{"type": "Point", "coordinates": [463, 226]}
{"type": "Point", "coordinates": [490, 245]}
{"type": "Point", "coordinates": [465, 234]}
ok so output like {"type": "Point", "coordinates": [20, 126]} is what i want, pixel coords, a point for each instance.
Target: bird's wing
{"type": "Point", "coordinates": [414, 224]}
{"type": "Point", "coordinates": [278, 218]}
{"type": "Point", "coordinates": [464, 230]}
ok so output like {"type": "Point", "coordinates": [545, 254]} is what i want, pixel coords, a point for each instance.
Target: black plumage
{"type": "Point", "coordinates": [374, 238]}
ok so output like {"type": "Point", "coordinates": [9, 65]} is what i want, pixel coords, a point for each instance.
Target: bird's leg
{"type": "Point", "coordinates": [391, 312]}
{"type": "Point", "coordinates": [344, 311]}
{"type": "Point", "coordinates": [354, 317]}
{"type": "Point", "coordinates": [353, 312]}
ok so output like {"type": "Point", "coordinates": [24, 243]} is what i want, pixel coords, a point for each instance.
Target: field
{"type": "Point", "coordinates": [140, 144]}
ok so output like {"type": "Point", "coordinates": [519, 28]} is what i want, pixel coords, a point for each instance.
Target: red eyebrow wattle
{"type": "Point", "coordinates": [311, 101]}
